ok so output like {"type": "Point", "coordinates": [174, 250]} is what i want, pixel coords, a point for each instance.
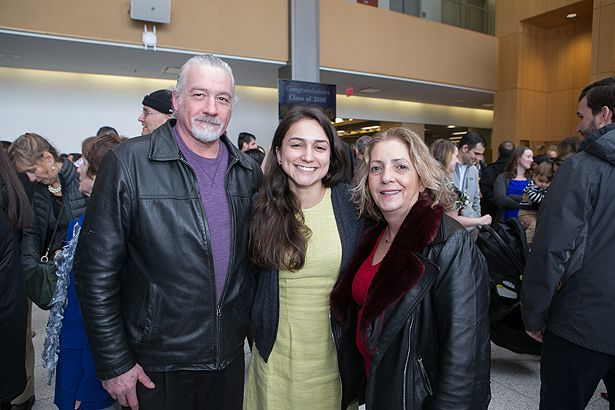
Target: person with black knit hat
{"type": "Point", "coordinates": [157, 109]}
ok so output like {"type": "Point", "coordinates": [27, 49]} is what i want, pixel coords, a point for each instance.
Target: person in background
{"type": "Point", "coordinates": [416, 291]}
{"type": "Point", "coordinates": [471, 149]}
{"type": "Point", "coordinates": [566, 148]}
{"type": "Point", "coordinates": [488, 176]}
{"type": "Point", "coordinates": [533, 194]}
{"type": "Point", "coordinates": [509, 185]}
{"type": "Point", "coordinates": [256, 154]}
{"type": "Point", "coordinates": [445, 152]}
{"type": "Point", "coordinates": [246, 141]}
{"type": "Point", "coordinates": [74, 157]}
{"type": "Point", "coordinates": [568, 284]}
{"type": "Point", "coordinates": [295, 363]}
{"type": "Point", "coordinates": [105, 129]}
{"type": "Point", "coordinates": [359, 147]}
{"type": "Point", "coordinates": [15, 216]}
{"type": "Point", "coordinates": [162, 270]}
{"type": "Point", "coordinates": [157, 109]}
{"type": "Point", "coordinates": [66, 349]}
{"type": "Point", "coordinates": [55, 198]}
{"type": "Point", "coordinates": [551, 153]}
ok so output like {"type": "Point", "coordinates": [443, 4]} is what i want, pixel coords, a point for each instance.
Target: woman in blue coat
{"type": "Point", "coordinates": [66, 350]}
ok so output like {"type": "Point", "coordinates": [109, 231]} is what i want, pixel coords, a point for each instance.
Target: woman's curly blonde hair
{"type": "Point", "coordinates": [431, 173]}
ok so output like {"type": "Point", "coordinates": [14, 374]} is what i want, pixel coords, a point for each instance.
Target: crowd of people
{"type": "Point", "coordinates": [352, 272]}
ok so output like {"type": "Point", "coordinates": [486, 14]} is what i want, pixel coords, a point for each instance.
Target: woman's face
{"type": "Point", "coordinates": [305, 154]}
{"type": "Point", "coordinates": [393, 181]}
{"type": "Point", "coordinates": [44, 171]}
{"type": "Point", "coordinates": [453, 161]}
{"type": "Point", "coordinates": [85, 182]}
{"type": "Point", "coordinates": [526, 159]}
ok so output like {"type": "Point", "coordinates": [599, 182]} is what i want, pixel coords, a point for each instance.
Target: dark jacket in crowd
{"type": "Point", "coordinates": [486, 183]}
{"type": "Point", "coordinates": [265, 311]}
{"type": "Point", "coordinates": [13, 310]}
{"type": "Point", "coordinates": [568, 283]}
{"type": "Point", "coordinates": [144, 266]}
{"type": "Point", "coordinates": [37, 238]}
{"type": "Point", "coordinates": [426, 320]}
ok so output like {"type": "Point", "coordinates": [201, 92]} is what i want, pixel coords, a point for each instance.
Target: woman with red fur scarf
{"type": "Point", "coordinates": [416, 292]}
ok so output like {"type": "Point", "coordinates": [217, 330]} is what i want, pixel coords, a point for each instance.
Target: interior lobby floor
{"type": "Point", "coordinates": [515, 380]}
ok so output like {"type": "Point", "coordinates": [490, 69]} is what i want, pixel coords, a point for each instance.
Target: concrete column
{"type": "Point", "coordinates": [305, 40]}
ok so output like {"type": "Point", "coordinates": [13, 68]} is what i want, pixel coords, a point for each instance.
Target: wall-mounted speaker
{"type": "Point", "coordinates": [157, 11]}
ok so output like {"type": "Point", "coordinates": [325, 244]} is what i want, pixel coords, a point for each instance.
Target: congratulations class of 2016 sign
{"type": "Point", "coordinates": [292, 93]}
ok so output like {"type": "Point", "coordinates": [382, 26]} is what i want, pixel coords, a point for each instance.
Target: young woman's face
{"type": "Point", "coordinates": [305, 154]}
{"type": "Point", "coordinates": [526, 159]}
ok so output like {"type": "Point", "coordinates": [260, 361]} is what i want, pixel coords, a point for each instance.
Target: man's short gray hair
{"type": "Point", "coordinates": [209, 60]}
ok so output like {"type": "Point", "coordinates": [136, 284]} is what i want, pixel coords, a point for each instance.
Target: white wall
{"type": "Point", "coordinates": [67, 107]}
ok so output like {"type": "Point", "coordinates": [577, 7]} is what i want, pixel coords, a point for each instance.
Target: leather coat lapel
{"type": "Point", "coordinates": [400, 270]}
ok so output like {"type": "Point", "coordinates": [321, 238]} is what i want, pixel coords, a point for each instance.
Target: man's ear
{"type": "Point", "coordinates": [464, 148]}
{"type": "Point", "coordinates": [606, 114]}
{"type": "Point", "coordinates": [174, 101]}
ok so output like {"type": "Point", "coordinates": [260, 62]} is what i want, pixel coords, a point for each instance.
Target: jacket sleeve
{"type": "Point", "coordinates": [461, 305]}
{"type": "Point", "coordinates": [99, 264]}
{"type": "Point", "coordinates": [562, 217]}
{"type": "Point", "coordinates": [499, 194]}
{"type": "Point", "coordinates": [34, 236]}
{"type": "Point", "coordinates": [476, 197]}
{"type": "Point", "coordinates": [534, 194]}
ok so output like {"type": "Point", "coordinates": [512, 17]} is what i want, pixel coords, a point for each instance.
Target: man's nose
{"type": "Point", "coordinates": [210, 106]}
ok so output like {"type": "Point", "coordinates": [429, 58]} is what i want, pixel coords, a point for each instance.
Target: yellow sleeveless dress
{"type": "Point", "coordinates": [301, 372]}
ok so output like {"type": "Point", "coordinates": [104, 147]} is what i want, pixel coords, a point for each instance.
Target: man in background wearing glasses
{"type": "Point", "coordinates": [157, 109]}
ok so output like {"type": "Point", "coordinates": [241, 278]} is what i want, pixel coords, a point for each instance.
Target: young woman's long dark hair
{"type": "Point", "coordinates": [278, 235]}
{"type": "Point", "coordinates": [511, 165]}
{"type": "Point", "coordinates": [17, 206]}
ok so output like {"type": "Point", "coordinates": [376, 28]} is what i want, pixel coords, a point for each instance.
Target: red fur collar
{"type": "Point", "coordinates": [399, 271]}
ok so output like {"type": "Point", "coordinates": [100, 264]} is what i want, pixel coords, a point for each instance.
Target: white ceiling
{"type": "Point", "coordinates": [38, 51]}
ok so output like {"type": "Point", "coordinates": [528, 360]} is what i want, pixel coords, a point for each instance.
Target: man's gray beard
{"type": "Point", "coordinates": [205, 135]}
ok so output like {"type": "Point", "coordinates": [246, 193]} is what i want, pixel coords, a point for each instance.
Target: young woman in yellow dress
{"type": "Point", "coordinates": [304, 229]}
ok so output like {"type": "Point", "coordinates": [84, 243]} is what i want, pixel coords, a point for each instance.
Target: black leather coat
{"type": "Point", "coordinates": [13, 308]}
{"type": "Point", "coordinates": [144, 267]}
{"type": "Point", "coordinates": [426, 319]}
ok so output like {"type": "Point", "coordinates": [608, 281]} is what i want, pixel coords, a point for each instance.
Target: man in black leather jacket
{"type": "Point", "coordinates": [162, 269]}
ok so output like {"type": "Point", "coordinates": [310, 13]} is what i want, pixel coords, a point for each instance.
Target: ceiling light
{"type": "Point", "coordinates": [571, 15]}
{"type": "Point", "coordinates": [372, 127]}
{"type": "Point", "coordinates": [338, 120]}
{"type": "Point", "coordinates": [170, 70]}
{"type": "Point", "coordinates": [9, 56]}
{"type": "Point", "coordinates": [450, 126]}
{"type": "Point", "coordinates": [460, 133]}
{"type": "Point", "coordinates": [370, 90]}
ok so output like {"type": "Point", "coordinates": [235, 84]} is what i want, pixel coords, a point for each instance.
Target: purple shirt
{"type": "Point", "coordinates": [210, 175]}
